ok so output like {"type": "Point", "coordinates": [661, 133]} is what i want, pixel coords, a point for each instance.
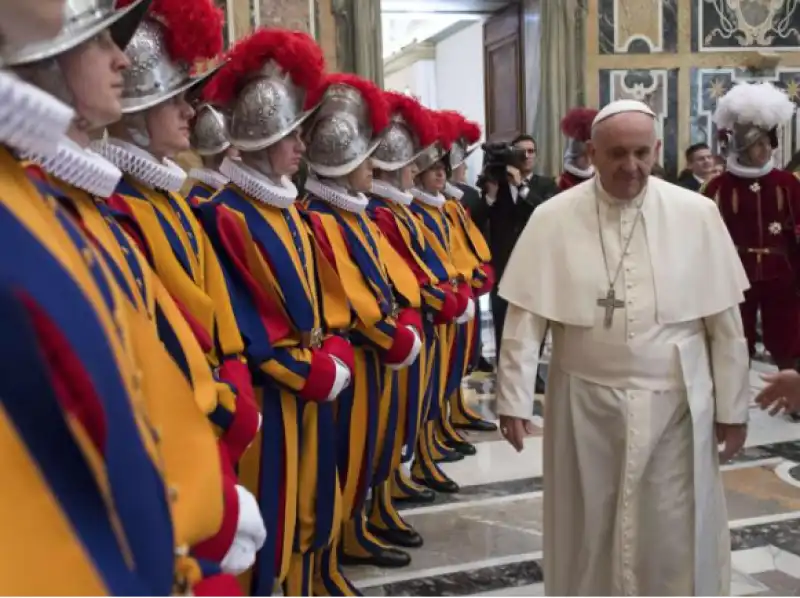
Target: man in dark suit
{"type": "Point", "coordinates": [699, 167]}
{"type": "Point", "coordinates": [502, 213]}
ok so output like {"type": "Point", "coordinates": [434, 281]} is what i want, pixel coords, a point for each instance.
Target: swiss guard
{"type": "Point", "coordinates": [384, 296]}
{"type": "Point", "coordinates": [154, 530]}
{"type": "Point", "coordinates": [299, 361]}
{"type": "Point", "coordinates": [210, 142]}
{"type": "Point", "coordinates": [577, 128]}
{"type": "Point", "coordinates": [760, 205]}
{"type": "Point", "coordinates": [411, 130]}
{"type": "Point", "coordinates": [477, 268]}
{"type": "Point", "coordinates": [428, 208]}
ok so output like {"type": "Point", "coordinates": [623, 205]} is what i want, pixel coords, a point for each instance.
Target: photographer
{"type": "Point", "coordinates": [509, 194]}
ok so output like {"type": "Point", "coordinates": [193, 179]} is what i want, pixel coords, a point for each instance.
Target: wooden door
{"type": "Point", "coordinates": [503, 77]}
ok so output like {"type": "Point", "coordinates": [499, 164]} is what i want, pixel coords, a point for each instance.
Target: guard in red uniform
{"type": "Point", "coordinates": [577, 127]}
{"type": "Point", "coordinates": [761, 207]}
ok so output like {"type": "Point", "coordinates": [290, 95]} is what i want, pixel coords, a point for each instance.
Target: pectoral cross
{"type": "Point", "coordinates": [610, 303]}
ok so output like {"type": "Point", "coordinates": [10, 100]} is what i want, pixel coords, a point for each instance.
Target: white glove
{"type": "Point", "coordinates": [250, 535]}
{"type": "Point", "coordinates": [469, 313]}
{"type": "Point", "coordinates": [413, 354]}
{"type": "Point", "coordinates": [342, 379]}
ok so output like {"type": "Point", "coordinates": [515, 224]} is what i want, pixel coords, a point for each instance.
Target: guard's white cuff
{"type": "Point", "coordinates": [342, 379]}
{"type": "Point", "coordinates": [250, 535]}
{"type": "Point", "coordinates": [469, 313]}
{"type": "Point", "coordinates": [412, 355]}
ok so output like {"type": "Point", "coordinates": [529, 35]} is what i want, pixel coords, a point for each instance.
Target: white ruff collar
{"type": "Point", "coordinates": [435, 201]}
{"type": "Point", "coordinates": [31, 120]}
{"type": "Point", "coordinates": [748, 172]}
{"type": "Point", "coordinates": [141, 165]}
{"type": "Point", "coordinates": [392, 193]}
{"type": "Point", "coordinates": [451, 190]}
{"type": "Point", "coordinates": [80, 167]}
{"type": "Point", "coordinates": [337, 196]}
{"type": "Point", "coordinates": [258, 186]}
{"type": "Point", "coordinates": [579, 172]}
{"type": "Point", "coordinates": [208, 177]}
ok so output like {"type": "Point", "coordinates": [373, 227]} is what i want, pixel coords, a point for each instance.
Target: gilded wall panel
{"type": "Point", "coordinates": [737, 25]}
{"type": "Point", "coordinates": [637, 26]}
{"type": "Point", "coordinates": [708, 85]}
{"type": "Point", "coordinates": [658, 89]}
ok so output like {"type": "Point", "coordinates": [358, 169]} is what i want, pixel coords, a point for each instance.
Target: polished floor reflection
{"type": "Point", "coordinates": [487, 539]}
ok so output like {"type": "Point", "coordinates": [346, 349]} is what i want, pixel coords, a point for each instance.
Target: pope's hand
{"type": "Point", "coordinates": [731, 437]}
{"type": "Point", "coordinates": [782, 392]}
{"type": "Point", "coordinates": [515, 429]}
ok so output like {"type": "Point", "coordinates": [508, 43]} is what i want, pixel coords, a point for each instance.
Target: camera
{"type": "Point", "coordinates": [496, 158]}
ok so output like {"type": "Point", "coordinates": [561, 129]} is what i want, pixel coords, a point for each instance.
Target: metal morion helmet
{"type": "Point", "coordinates": [411, 129]}
{"type": "Point", "coordinates": [264, 86]}
{"type": "Point", "coordinates": [209, 135]}
{"type": "Point", "coordinates": [751, 110]}
{"type": "Point", "coordinates": [172, 39]}
{"type": "Point", "coordinates": [577, 128]}
{"type": "Point", "coordinates": [347, 127]}
{"type": "Point", "coordinates": [446, 134]}
{"type": "Point", "coordinates": [83, 19]}
{"type": "Point", "coordinates": [469, 134]}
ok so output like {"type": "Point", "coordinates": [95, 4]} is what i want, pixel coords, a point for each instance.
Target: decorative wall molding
{"type": "Point", "coordinates": [408, 56]}
{"type": "Point", "coordinates": [744, 25]}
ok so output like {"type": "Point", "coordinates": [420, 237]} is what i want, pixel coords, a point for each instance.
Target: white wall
{"type": "Point", "coordinates": [459, 80]}
{"type": "Point", "coordinates": [417, 79]}
{"type": "Point", "coordinates": [452, 80]}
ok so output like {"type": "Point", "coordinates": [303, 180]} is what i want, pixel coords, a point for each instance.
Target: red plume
{"type": "Point", "coordinates": [372, 94]}
{"type": "Point", "coordinates": [471, 132]}
{"type": "Point", "coordinates": [577, 124]}
{"type": "Point", "coordinates": [415, 114]}
{"type": "Point", "coordinates": [295, 52]}
{"type": "Point", "coordinates": [449, 125]}
{"type": "Point", "coordinates": [192, 28]}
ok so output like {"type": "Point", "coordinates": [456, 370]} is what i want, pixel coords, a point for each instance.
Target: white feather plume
{"type": "Point", "coordinates": [759, 104]}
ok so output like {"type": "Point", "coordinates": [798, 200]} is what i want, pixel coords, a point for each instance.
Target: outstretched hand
{"type": "Point", "coordinates": [515, 429]}
{"type": "Point", "coordinates": [782, 392]}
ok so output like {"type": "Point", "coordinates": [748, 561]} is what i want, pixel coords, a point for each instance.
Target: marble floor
{"type": "Point", "coordinates": [487, 540]}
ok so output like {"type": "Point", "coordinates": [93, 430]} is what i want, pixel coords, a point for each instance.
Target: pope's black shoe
{"type": "Point", "coordinates": [389, 558]}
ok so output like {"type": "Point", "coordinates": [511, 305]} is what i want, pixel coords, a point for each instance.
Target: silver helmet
{"type": "Point", "coordinates": [209, 136]}
{"type": "Point", "coordinates": [430, 156]}
{"type": "Point", "coordinates": [396, 148]}
{"type": "Point", "coordinates": [173, 38]}
{"type": "Point", "coordinates": [347, 127]}
{"type": "Point", "coordinates": [83, 19]}
{"type": "Point", "coordinates": [264, 86]}
{"type": "Point", "coordinates": [460, 151]}
{"type": "Point", "coordinates": [411, 129]}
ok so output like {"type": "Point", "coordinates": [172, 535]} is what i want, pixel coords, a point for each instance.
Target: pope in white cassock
{"type": "Point", "coordinates": [640, 284]}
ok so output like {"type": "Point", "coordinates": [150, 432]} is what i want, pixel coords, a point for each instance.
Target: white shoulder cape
{"type": "Point", "coordinates": [557, 272]}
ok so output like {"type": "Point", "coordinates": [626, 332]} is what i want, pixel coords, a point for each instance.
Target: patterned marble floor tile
{"type": "Point", "coordinates": [779, 583]}
{"type": "Point", "coordinates": [758, 491]}
{"type": "Point", "coordinates": [471, 534]}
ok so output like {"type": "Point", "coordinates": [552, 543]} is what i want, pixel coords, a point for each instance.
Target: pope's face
{"type": "Point", "coordinates": [623, 150]}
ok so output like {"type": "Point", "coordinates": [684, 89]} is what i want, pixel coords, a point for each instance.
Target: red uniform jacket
{"type": "Point", "coordinates": [763, 217]}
